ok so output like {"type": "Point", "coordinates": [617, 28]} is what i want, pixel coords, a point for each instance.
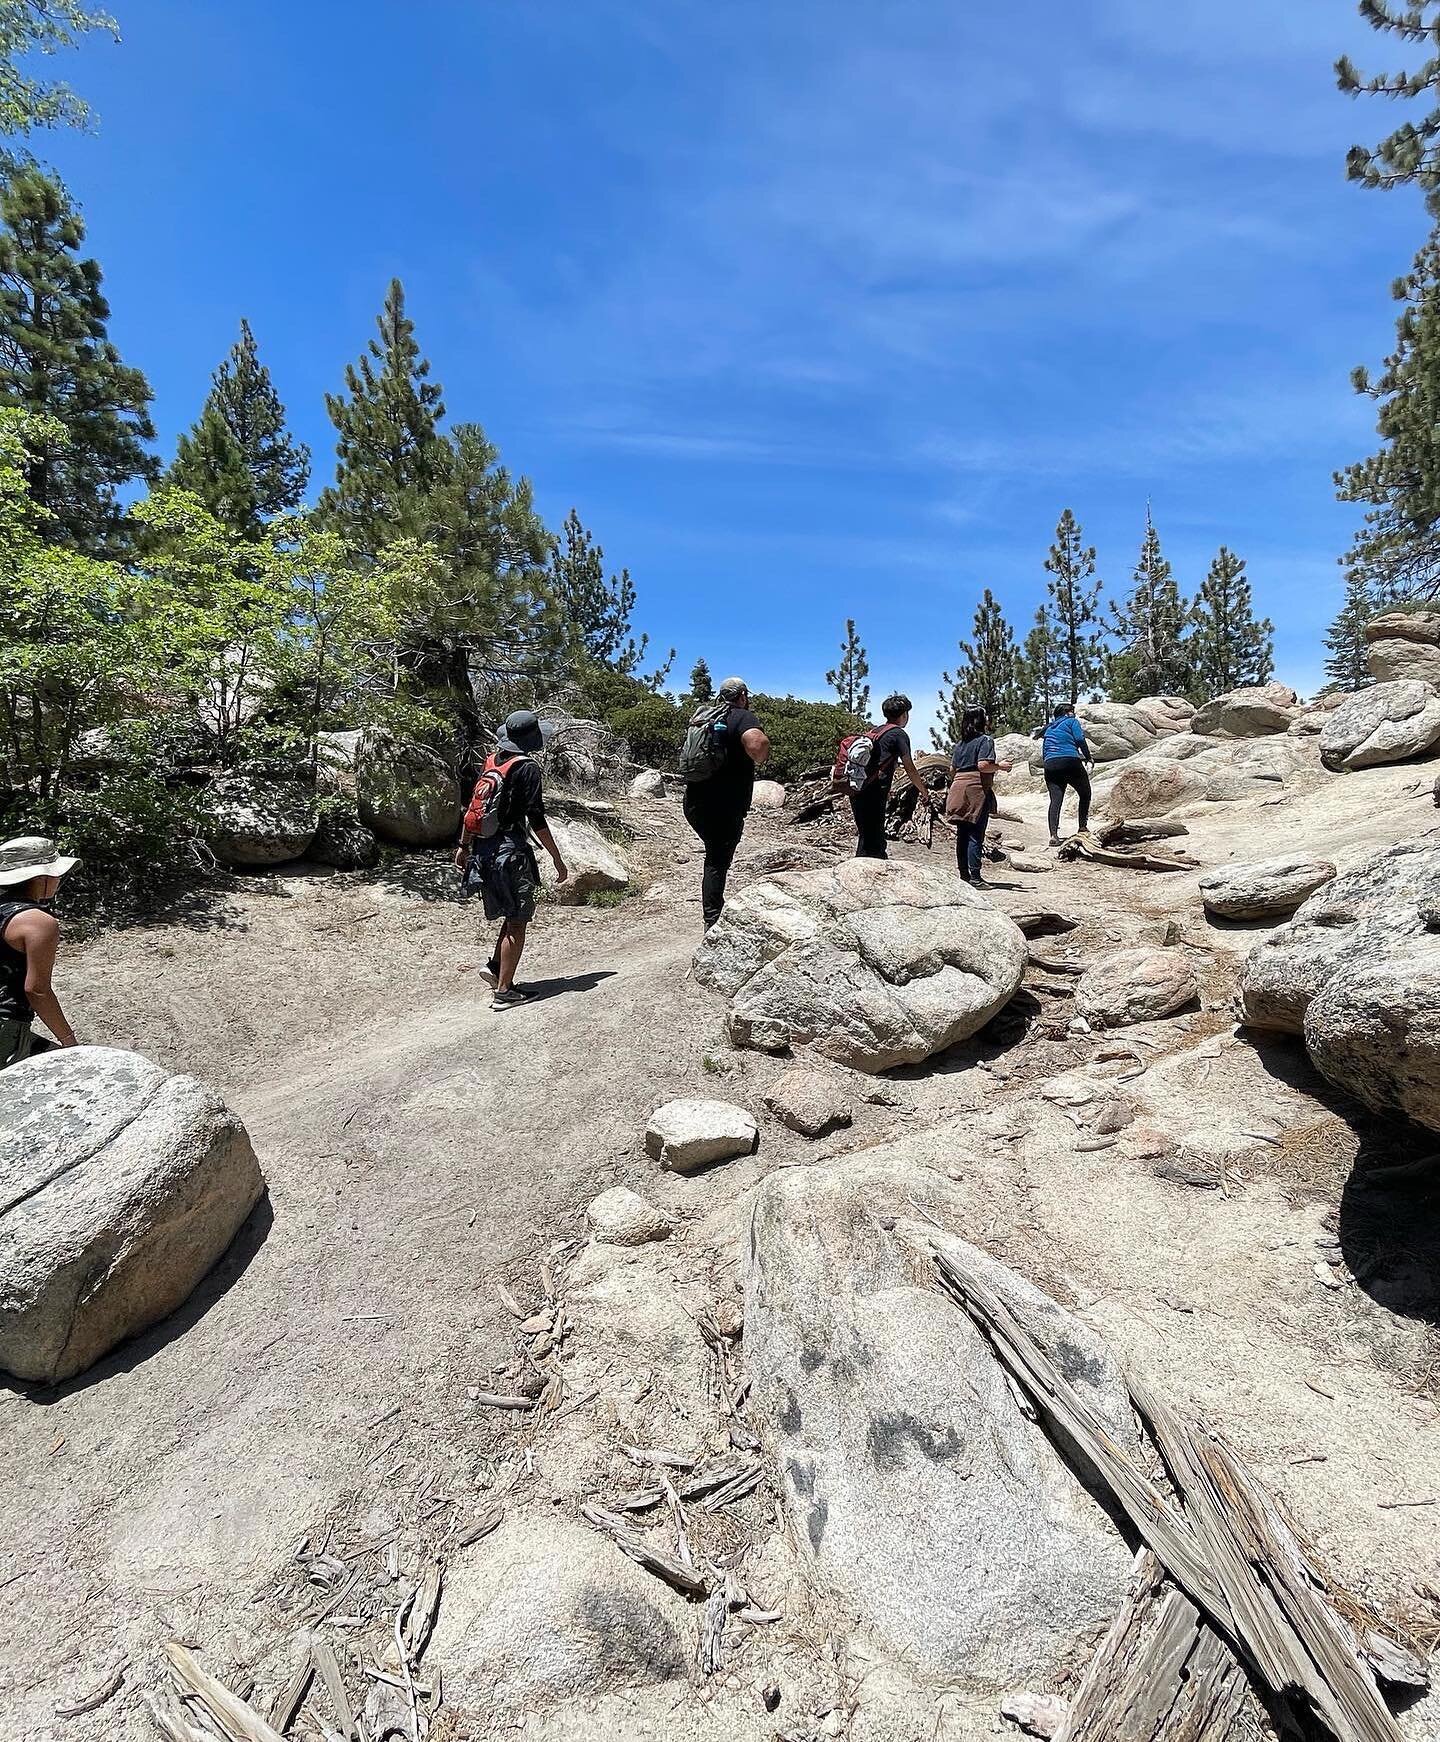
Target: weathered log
{"type": "Point", "coordinates": [645, 1554]}
{"type": "Point", "coordinates": [1076, 848]}
{"type": "Point", "coordinates": [1129, 831]}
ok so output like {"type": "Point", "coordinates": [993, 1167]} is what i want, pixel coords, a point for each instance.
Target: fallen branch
{"type": "Point", "coordinates": [630, 1542]}
{"type": "Point", "coordinates": [230, 1714]}
{"type": "Point", "coordinates": [1076, 848]}
{"type": "Point", "coordinates": [1054, 964]}
{"type": "Point", "coordinates": [97, 1696]}
{"type": "Point", "coordinates": [1130, 831]}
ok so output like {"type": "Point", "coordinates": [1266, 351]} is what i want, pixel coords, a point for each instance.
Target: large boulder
{"type": "Point", "coordinates": [594, 865]}
{"type": "Point", "coordinates": [1115, 729]}
{"type": "Point", "coordinates": [120, 1186]}
{"type": "Point", "coordinates": [1404, 644]}
{"type": "Point", "coordinates": [1357, 972]}
{"type": "Point", "coordinates": [342, 840]}
{"type": "Point", "coordinates": [548, 1610]}
{"type": "Point", "coordinates": [686, 1134]}
{"type": "Point", "coordinates": [404, 792]}
{"type": "Point", "coordinates": [252, 821]}
{"type": "Point", "coordinates": [1264, 889]}
{"type": "Point", "coordinates": [1166, 714]}
{"type": "Point", "coordinates": [1016, 747]}
{"type": "Point", "coordinates": [1389, 722]}
{"type": "Point", "coordinates": [921, 1501]}
{"type": "Point", "coordinates": [873, 962]}
{"type": "Point", "coordinates": [1149, 787]}
{"type": "Point", "coordinates": [648, 783]}
{"type": "Point", "coordinates": [1138, 985]}
{"type": "Point", "coordinates": [1248, 713]}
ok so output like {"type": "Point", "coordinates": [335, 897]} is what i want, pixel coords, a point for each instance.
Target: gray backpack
{"type": "Point", "coordinates": [704, 752]}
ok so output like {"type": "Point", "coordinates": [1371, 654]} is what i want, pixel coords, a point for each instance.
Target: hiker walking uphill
{"type": "Point", "coordinates": [865, 768]}
{"type": "Point", "coordinates": [972, 792]}
{"type": "Point", "coordinates": [1066, 752]}
{"type": "Point", "coordinates": [723, 747]}
{"type": "Point", "coordinates": [495, 855]}
{"type": "Point", "coordinates": [30, 873]}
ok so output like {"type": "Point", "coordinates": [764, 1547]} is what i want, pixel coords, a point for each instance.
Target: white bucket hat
{"type": "Point", "coordinates": [30, 856]}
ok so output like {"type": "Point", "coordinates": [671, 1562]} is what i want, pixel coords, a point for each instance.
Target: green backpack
{"type": "Point", "coordinates": [705, 750]}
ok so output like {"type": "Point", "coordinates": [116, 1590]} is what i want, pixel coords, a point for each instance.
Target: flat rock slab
{"type": "Point", "coordinates": [873, 963]}
{"type": "Point", "coordinates": [1357, 972]}
{"type": "Point", "coordinates": [120, 1187]}
{"type": "Point", "coordinates": [621, 1217]}
{"type": "Point", "coordinates": [683, 1135]}
{"type": "Point", "coordinates": [809, 1102]}
{"type": "Point", "coordinates": [1139, 985]}
{"type": "Point", "coordinates": [921, 1502]}
{"type": "Point", "coordinates": [1265, 889]}
{"type": "Point", "coordinates": [1389, 722]}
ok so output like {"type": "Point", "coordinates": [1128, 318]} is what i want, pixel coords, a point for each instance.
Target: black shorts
{"type": "Point", "coordinates": [508, 876]}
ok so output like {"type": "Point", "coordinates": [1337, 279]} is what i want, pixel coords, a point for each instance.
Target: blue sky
{"type": "Point", "coordinates": [812, 308]}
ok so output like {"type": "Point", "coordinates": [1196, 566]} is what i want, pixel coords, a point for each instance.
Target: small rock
{"type": "Point", "coordinates": [649, 783]}
{"type": "Point", "coordinates": [1138, 985]}
{"type": "Point", "coordinates": [808, 1102]}
{"type": "Point", "coordinates": [686, 1134]}
{"type": "Point", "coordinates": [769, 795]}
{"type": "Point", "coordinates": [730, 1318]}
{"type": "Point", "coordinates": [621, 1217]}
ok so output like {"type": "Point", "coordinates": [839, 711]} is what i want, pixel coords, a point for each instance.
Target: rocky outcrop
{"type": "Point", "coordinates": [1139, 985]}
{"type": "Point", "coordinates": [921, 1501]}
{"type": "Point", "coordinates": [1357, 972]}
{"type": "Point", "coordinates": [253, 821]}
{"type": "Point", "coordinates": [810, 1102]}
{"type": "Point", "coordinates": [1390, 722]}
{"type": "Point", "coordinates": [593, 863]}
{"type": "Point", "coordinates": [589, 1620]}
{"type": "Point", "coordinates": [874, 963]}
{"type": "Point", "coordinates": [1248, 713]}
{"type": "Point", "coordinates": [1166, 714]}
{"type": "Point", "coordinates": [1150, 787]}
{"type": "Point", "coordinates": [120, 1187]}
{"type": "Point", "coordinates": [404, 792]}
{"type": "Point", "coordinates": [1265, 889]}
{"type": "Point", "coordinates": [686, 1134]}
{"type": "Point", "coordinates": [1404, 644]}
{"type": "Point", "coordinates": [1115, 729]}
{"type": "Point", "coordinates": [342, 840]}
{"type": "Point", "coordinates": [621, 1217]}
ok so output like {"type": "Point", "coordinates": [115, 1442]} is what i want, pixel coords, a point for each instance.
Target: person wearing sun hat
{"type": "Point", "coordinates": [30, 874]}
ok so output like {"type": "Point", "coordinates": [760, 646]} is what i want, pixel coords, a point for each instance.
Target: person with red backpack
{"type": "Point", "coordinates": [495, 856]}
{"type": "Point", "coordinates": [867, 774]}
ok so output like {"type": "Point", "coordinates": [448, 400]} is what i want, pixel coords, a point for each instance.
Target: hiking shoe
{"type": "Point", "coordinates": [1054, 840]}
{"type": "Point", "coordinates": [507, 999]}
{"type": "Point", "coordinates": [490, 973]}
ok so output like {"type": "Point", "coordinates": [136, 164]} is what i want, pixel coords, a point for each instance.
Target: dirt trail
{"type": "Point", "coordinates": [417, 1147]}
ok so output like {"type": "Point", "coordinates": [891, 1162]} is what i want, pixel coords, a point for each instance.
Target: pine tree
{"type": "Point", "coordinates": [31, 27]}
{"type": "Point", "coordinates": [702, 685]}
{"type": "Point", "coordinates": [985, 677]}
{"type": "Point", "coordinates": [1153, 656]}
{"type": "Point", "coordinates": [56, 361]}
{"type": "Point", "coordinates": [597, 608]}
{"type": "Point", "coordinates": [1043, 670]}
{"type": "Point", "coordinates": [1345, 638]}
{"type": "Point", "coordinates": [848, 678]}
{"type": "Point", "coordinates": [1071, 564]}
{"type": "Point", "coordinates": [1412, 152]}
{"type": "Point", "coordinates": [1397, 549]}
{"type": "Point", "coordinates": [1229, 649]}
{"type": "Point", "coordinates": [391, 455]}
{"type": "Point", "coordinates": [239, 458]}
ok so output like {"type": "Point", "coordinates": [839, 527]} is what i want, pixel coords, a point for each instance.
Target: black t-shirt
{"type": "Point", "coordinates": [891, 744]}
{"type": "Point", "coordinates": [14, 1005]}
{"type": "Point", "coordinates": [733, 786]}
{"type": "Point", "coordinates": [522, 801]}
{"type": "Point", "coordinates": [970, 754]}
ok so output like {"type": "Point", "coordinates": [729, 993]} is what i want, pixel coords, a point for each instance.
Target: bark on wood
{"type": "Point", "coordinates": [1075, 848]}
{"type": "Point", "coordinates": [645, 1554]}
{"type": "Point", "coordinates": [1129, 832]}
{"type": "Point", "coordinates": [1054, 964]}
{"type": "Point", "coordinates": [287, 1703]}
{"type": "Point", "coordinates": [230, 1714]}
{"type": "Point", "coordinates": [328, 1665]}
{"type": "Point", "coordinates": [1162, 1674]}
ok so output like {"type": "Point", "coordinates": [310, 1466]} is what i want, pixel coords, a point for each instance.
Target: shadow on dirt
{"type": "Point", "coordinates": [232, 1266]}
{"type": "Point", "coordinates": [1388, 1214]}
{"type": "Point", "coordinates": [536, 991]}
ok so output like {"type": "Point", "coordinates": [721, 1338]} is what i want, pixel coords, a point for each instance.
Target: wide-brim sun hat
{"type": "Point", "coordinates": [30, 856]}
{"type": "Point", "coordinates": [525, 732]}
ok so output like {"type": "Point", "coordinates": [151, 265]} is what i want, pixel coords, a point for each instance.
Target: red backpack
{"type": "Point", "coordinates": [855, 763]}
{"type": "Point", "coordinates": [482, 820]}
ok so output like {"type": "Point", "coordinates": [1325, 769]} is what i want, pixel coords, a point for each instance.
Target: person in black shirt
{"type": "Point", "coordinates": [30, 873]}
{"type": "Point", "coordinates": [716, 808]}
{"type": "Point", "coordinates": [972, 794]}
{"type": "Point", "coordinates": [505, 862]}
{"type": "Point", "coordinates": [892, 750]}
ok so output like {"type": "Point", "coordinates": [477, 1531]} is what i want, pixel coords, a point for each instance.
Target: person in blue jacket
{"type": "Point", "coordinates": [1067, 754]}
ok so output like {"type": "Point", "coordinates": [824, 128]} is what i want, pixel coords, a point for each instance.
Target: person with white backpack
{"type": "Point", "coordinates": [724, 745]}
{"type": "Point", "coordinates": [495, 857]}
{"type": "Point", "coordinates": [865, 772]}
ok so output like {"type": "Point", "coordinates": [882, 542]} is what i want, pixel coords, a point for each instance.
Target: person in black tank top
{"type": "Point", "coordinates": [30, 874]}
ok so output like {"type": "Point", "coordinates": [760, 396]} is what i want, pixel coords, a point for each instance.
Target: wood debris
{"type": "Point", "coordinates": [1130, 831]}
{"type": "Point", "coordinates": [1079, 848]}
{"type": "Point", "coordinates": [654, 1560]}
{"type": "Point", "coordinates": [97, 1696]}
{"type": "Point", "coordinates": [230, 1714]}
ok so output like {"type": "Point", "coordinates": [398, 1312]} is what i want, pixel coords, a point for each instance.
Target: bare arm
{"type": "Point", "coordinates": [38, 935]}
{"type": "Point", "coordinates": [547, 841]}
{"type": "Point", "coordinates": [907, 762]}
{"type": "Point", "coordinates": [755, 745]}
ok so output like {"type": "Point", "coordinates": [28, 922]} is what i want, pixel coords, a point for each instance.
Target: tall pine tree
{"type": "Point", "coordinates": [1076, 607]}
{"type": "Point", "coordinates": [239, 458]}
{"type": "Point", "coordinates": [1229, 648]}
{"type": "Point", "coordinates": [597, 607]}
{"type": "Point", "coordinates": [1152, 658]}
{"type": "Point", "coordinates": [1043, 670]}
{"type": "Point", "coordinates": [702, 685]}
{"type": "Point", "coordinates": [1345, 643]}
{"type": "Point", "coordinates": [848, 678]}
{"type": "Point", "coordinates": [985, 677]}
{"type": "Point", "coordinates": [1411, 153]}
{"type": "Point", "coordinates": [391, 456]}
{"type": "Point", "coordinates": [56, 361]}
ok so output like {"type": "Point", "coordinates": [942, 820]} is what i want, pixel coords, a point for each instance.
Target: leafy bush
{"type": "Point", "coordinates": [803, 735]}
{"type": "Point", "coordinates": [654, 728]}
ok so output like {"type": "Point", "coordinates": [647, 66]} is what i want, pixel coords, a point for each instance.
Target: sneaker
{"type": "Point", "coordinates": [490, 973]}
{"type": "Point", "coordinates": [506, 1000]}
{"type": "Point", "coordinates": [1054, 840]}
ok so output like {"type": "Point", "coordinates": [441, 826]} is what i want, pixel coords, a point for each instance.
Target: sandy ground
{"type": "Point", "coordinates": [419, 1147]}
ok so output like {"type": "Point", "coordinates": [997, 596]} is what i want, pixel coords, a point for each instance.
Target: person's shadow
{"type": "Point", "coordinates": [536, 991]}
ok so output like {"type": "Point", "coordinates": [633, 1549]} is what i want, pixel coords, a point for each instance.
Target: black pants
{"type": "Point", "coordinates": [868, 807]}
{"type": "Point", "coordinates": [969, 843]}
{"type": "Point", "coordinates": [720, 828]}
{"type": "Point", "coordinates": [1062, 772]}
